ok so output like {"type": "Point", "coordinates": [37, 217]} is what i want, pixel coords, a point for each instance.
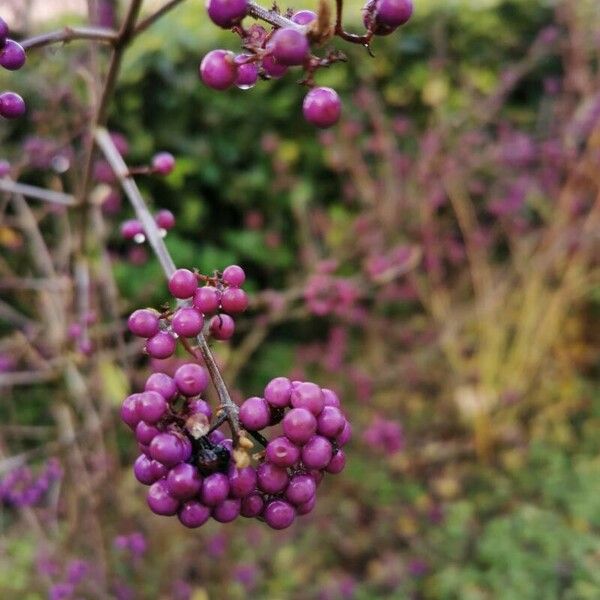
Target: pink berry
{"type": "Point", "coordinates": [299, 425]}
{"type": "Point", "coordinates": [207, 299]}
{"type": "Point", "coordinates": [12, 106]}
{"type": "Point", "coordinates": [337, 463]}
{"type": "Point", "coordinates": [187, 322]}
{"type": "Point", "coordinates": [317, 452]}
{"type": "Point", "coordinates": [255, 414]}
{"type": "Point", "coordinates": [322, 107]}
{"type": "Point", "coordinates": [279, 514]}
{"type": "Point", "coordinates": [183, 283]}
{"type": "Point", "coordinates": [226, 13]}
{"type": "Point", "coordinates": [221, 327]}
{"type": "Point", "coordinates": [191, 379]}
{"type": "Point", "coordinates": [234, 300]}
{"type": "Point", "coordinates": [162, 345]}
{"type": "Point", "coordinates": [143, 323]}
{"type": "Point", "coordinates": [165, 219]}
{"type": "Point", "coordinates": [288, 46]}
{"type": "Point", "coordinates": [152, 407]}
{"type": "Point", "coordinates": [278, 392]}
{"type": "Point", "coordinates": [272, 68]}
{"type": "Point", "coordinates": [304, 17]}
{"type": "Point", "coordinates": [160, 501]}
{"type": "Point", "coordinates": [247, 74]}
{"type": "Point", "coordinates": [131, 228]}
{"type": "Point", "coordinates": [193, 514]}
{"type": "Point", "coordinates": [234, 276]}
{"type": "Point", "coordinates": [163, 163]}
{"type": "Point", "coordinates": [307, 395]}
{"type": "Point", "coordinates": [218, 69]}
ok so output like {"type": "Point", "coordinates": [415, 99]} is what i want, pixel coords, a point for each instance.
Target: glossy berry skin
{"type": "Point", "coordinates": [234, 276]}
{"type": "Point", "coordinates": [299, 425]}
{"type": "Point", "coordinates": [330, 422]}
{"type": "Point", "coordinates": [143, 323]}
{"type": "Point", "coordinates": [252, 506]}
{"type": "Point", "coordinates": [330, 398]}
{"type": "Point", "coordinates": [241, 481]}
{"type": "Point", "coordinates": [130, 410]}
{"type": "Point", "coordinates": [191, 379]}
{"type": "Point", "coordinates": [145, 470]}
{"type": "Point", "coordinates": [282, 453]}
{"type": "Point", "coordinates": [131, 228]}
{"type": "Point", "coordinates": [337, 463]}
{"type": "Point", "coordinates": [207, 299]}
{"type": "Point", "coordinates": [163, 163]}
{"type": "Point", "coordinates": [322, 107]}
{"type": "Point", "coordinates": [222, 327]}
{"type": "Point", "coordinates": [304, 17]}
{"type": "Point", "coordinates": [226, 13]}
{"type": "Point", "coordinates": [152, 407]}
{"type": "Point", "coordinates": [255, 414]}
{"type": "Point", "coordinates": [247, 75]}
{"type": "Point", "coordinates": [271, 479]}
{"type": "Point", "coordinates": [160, 501]}
{"type": "Point", "coordinates": [215, 488]}
{"type": "Point", "coordinates": [300, 489]}
{"type": "Point", "coordinates": [218, 69]}
{"type": "Point", "coordinates": [307, 395]}
{"type": "Point", "coordinates": [12, 55]}
{"type": "Point", "coordinates": [167, 449]}
{"type": "Point", "coordinates": [163, 384]}
{"type": "Point", "coordinates": [200, 406]}
{"type": "Point", "coordinates": [187, 322]}
{"type": "Point", "coordinates": [384, 16]}
{"type": "Point", "coordinates": [279, 514]}
{"type": "Point", "coordinates": [12, 106]}
{"type": "Point", "coordinates": [183, 284]}
{"type": "Point", "coordinates": [272, 68]}
{"type": "Point", "coordinates": [227, 511]}
{"type": "Point", "coordinates": [165, 219]}
{"type": "Point", "coordinates": [234, 300]}
{"type": "Point", "coordinates": [193, 514]}
{"type": "Point", "coordinates": [145, 433]}
{"type": "Point", "coordinates": [278, 392]}
{"type": "Point", "coordinates": [184, 481]}
{"type": "Point", "coordinates": [345, 436]}
{"type": "Point", "coordinates": [288, 46]}
{"type": "Point", "coordinates": [317, 452]}
{"type": "Point", "coordinates": [4, 31]}
{"type": "Point", "coordinates": [162, 345]}
{"type": "Point", "coordinates": [307, 507]}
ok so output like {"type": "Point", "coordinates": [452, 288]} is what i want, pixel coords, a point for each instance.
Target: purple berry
{"type": "Point", "coordinates": [163, 163]}
{"type": "Point", "coordinates": [234, 300]}
{"type": "Point", "coordinates": [130, 410]}
{"type": "Point", "coordinates": [279, 514]}
{"type": "Point", "coordinates": [199, 406]}
{"type": "Point", "coordinates": [145, 433]}
{"type": "Point", "coordinates": [252, 505]}
{"type": "Point", "coordinates": [191, 379]}
{"type": "Point", "coordinates": [330, 422]}
{"type": "Point", "coordinates": [337, 463]}
{"type": "Point", "coordinates": [299, 425]}
{"type": "Point", "coordinates": [307, 395]}
{"type": "Point", "coordinates": [183, 283]}
{"type": "Point", "coordinates": [307, 507]}
{"type": "Point", "coordinates": [184, 481]}
{"type": "Point", "coordinates": [288, 46]}
{"type": "Point", "coordinates": [271, 479]}
{"type": "Point", "coordinates": [384, 16]}
{"type": "Point", "coordinates": [152, 407]}
{"type": "Point", "coordinates": [193, 514]}
{"type": "Point", "coordinates": [160, 501]}
{"type": "Point", "coordinates": [255, 414]}
{"type": "Point", "coordinates": [322, 107]}
{"type": "Point", "coordinates": [144, 470]}
{"type": "Point", "coordinates": [165, 219]}
{"type": "Point", "coordinates": [226, 13]}
{"type": "Point", "coordinates": [227, 511]}
{"type": "Point", "coordinates": [282, 453]}
{"type": "Point", "coordinates": [144, 323]}
{"type": "Point", "coordinates": [167, 449]}
{"type": "Point", "coordinates": [207, 299]}
{"type": "Point", "coordinates": [272, 68]}
{"type": "Point", "coordinates": [278, 392]}
{"type": "Point", "coordinates": [120, 142]}
{"type": "Point", "coordinates": [234, 276]}
{"type": "Point", "coordinates": [187, 322]}
{"type": "Point", "coordinates": [300, 489]}
{"type": "Point", "coordinates": [247, 73]}
{"type": "Point", "coordinates": [345, 436]}
{"type": "Point", "coordinates": [163, 384]}
{"type": "Point", "coordinates": [218, 69]}
{"type": "Point", "coordinates": [304, 17]}
{"type": "Point", "coordinates": [12, 55]}
{"type": "Point", "coordinates": [12, 106]}
{"type": "Point", "coordinates": [4, 31]}
{"type": "Point", "coordinates": [241, 481]}
{"type": "Point", "coordinates": [131, 228]}
{"type": "Point", "coordinates": [216, 437]}
{"type": "Point", "coordinates": [330, 398]}
{"type": "Point", "coordinates": [317, 452]}
{"type": "Point", "coordinates": [162, 345]}
{"type": "Point", "coordinates": [222, 327]}
{"type": "Point", "coordinates": [215, 488]}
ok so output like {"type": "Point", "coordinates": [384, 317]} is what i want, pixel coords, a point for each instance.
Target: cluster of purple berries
{"type": "Point", "coordinates": [132, 229]}
{"type": "Point", "coordinates": [217, 300]}
{"type": "Point", "coordinates": [12, 58]}
{"type": "Point", "coordinates": [21, 487]}
{"type": "Point", "coordinates": [269, 55]}
{"type": "Point", "coordinates": [196, 474]}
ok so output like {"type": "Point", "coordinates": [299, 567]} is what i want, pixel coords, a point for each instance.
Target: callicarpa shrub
{"type": "Point", "coordinates": [192, 469]}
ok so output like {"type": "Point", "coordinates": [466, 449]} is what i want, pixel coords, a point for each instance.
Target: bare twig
{"type": "Point", "coordinates": [149, 21]}
{"type": "Point", "coordinates": [31, 191]}
{"type": "Point", "coordinates": [69, 34]}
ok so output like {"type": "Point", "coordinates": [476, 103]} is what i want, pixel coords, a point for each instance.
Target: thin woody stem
{"type": "Point", "coordinates": [70, 34]}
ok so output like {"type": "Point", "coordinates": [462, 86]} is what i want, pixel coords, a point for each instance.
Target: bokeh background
{"type": "Point", "coordinates": [433, 258]}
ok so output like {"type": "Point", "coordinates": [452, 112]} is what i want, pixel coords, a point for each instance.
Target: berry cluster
{"type": "Point", "coordinates": [222, 292]}
{"type": "Point", "coordinates": [132, 229]}
{"type": "Point", "coordinates": [21, 487]}
{"type": "Point", "coordinates": [269, 54]}
{"type": "Point", "coordinates": [197, 473]}
{"type": "Point", "coordinates": [12, 58]}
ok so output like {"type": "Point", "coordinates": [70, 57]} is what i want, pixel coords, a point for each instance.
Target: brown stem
{"type": "Point", "coordinates": [69, 34]}
{"type": "Point", "coordinates": [339, 28]}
